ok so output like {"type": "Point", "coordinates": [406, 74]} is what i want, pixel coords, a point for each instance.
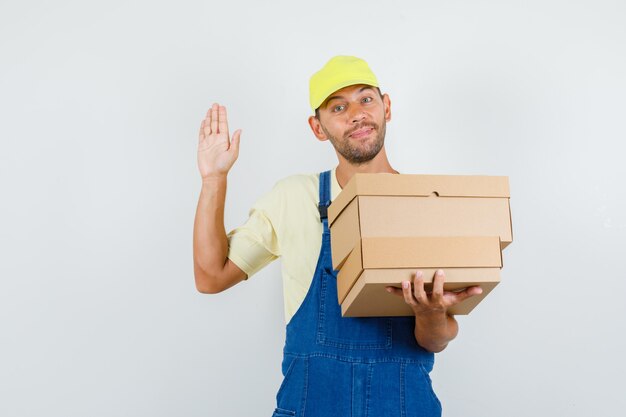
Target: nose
{"type": "Point", "coordinates": [357, 115]}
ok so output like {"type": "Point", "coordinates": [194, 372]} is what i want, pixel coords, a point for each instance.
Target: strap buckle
{"type": "Point", "coordinates": [323, 209]}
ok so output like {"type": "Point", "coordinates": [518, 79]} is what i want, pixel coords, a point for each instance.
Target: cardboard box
{"type": "Point", "coordinates": [386, 226]}
{"type": "Point", "coordinates": [378, 262]}
{"type": "Point", "coordinates": [404, 205]}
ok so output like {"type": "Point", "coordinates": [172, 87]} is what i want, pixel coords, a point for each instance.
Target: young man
{"type": "Point", "coordinates": [332, 366]}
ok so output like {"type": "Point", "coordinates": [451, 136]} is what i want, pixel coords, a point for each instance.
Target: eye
{"type": "Point", "coordinates": [367, 99]}
{"type": "Point", "coordinates": [338, 108]}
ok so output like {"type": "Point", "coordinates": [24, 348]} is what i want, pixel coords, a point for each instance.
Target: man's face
{"type": "Point", "coordinates": [354, 120]}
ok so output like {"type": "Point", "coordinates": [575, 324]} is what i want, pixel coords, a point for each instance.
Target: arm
{"type": "Point", "coordinates": [213, 271]}
{"type": "Point", "coordinates": [434, 327]}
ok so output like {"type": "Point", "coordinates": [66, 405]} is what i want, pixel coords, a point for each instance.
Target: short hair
{"type": "Point", "coordinates": [317, 111]}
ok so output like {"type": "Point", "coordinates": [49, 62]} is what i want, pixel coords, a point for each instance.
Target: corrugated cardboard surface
{"type": "Point", "coordinates": [397, 205]}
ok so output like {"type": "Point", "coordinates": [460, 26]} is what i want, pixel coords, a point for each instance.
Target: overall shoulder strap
{"type": "Point", "coordinates": [324, 195]}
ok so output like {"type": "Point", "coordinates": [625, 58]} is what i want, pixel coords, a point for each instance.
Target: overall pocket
{"type": "Point", "coordinates": [348, 332]}
{"type": "Point", "coordinates": [280, 412]}
{"type": "Point", "coordinates": [292, 392]}
{"type": "Point", "coordinates": [419, 397]}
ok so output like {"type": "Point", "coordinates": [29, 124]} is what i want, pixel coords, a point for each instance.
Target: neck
{"type": "Point", "coordinates": [380, 163]}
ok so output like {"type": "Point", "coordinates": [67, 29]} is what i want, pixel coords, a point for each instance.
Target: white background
{"type": "Point", "coordinates": [100, 104]}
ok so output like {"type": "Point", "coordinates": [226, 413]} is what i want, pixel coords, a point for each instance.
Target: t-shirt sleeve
{"type": "Point", "coordinates": [254, 244]}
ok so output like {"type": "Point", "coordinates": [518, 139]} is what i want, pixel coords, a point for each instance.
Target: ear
{"type": "Point", "coordinates": [387, 103]}
{"type": "Point", "coordinates": [316, 127]}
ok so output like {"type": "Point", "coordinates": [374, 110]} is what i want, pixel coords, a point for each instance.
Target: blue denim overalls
{"type": "Point", "coordinates": [350, 367]}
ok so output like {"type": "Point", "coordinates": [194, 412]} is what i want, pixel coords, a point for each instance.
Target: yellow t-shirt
{"type": "Point", "coordinates": [284, 222]}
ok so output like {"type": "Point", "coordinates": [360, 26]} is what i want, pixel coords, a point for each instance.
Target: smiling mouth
{"type": "Point", "coordinates": [359, 133]}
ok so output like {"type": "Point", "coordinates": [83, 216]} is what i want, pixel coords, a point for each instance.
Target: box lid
{"type": "Point", "coordinates": [418, 185]}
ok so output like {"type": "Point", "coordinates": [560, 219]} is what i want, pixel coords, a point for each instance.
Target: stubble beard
{"type": "Point", "coordinates": [356, 152]}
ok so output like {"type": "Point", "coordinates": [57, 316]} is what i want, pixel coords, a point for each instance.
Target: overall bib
{"type": "Point", "coordinates": [350, 367]}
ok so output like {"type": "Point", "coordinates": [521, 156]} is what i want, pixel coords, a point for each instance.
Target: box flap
{"type": "Point", "coordinates": [344, 198]}
{"type": "Point", "coordinates": [344, 232]}
{"type": "Point", "coordinates": [434, 252]}
{"type": "Point", "coordinates": [349, 272]}
{"type": "Point", "coordinates": [418, 185]}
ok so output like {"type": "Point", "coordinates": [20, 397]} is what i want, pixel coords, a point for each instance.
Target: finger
{"type": "Point", "coordinates": [438, 285]}
{"type": "Point", "coordinates": [408, 296]}
{"type": "Point", "coordinates": [395, 291]}
{"type": "Point", "coordinates": [201, 133]}
{"type": "Point", "coordinates": [223, 120]}
{"type": "Point", "coordinates": [214, 119]}
{"type": "Point", "coordinates": [418, 288]}
{"type": "Point", "coordinates": [207, 123]}
{"type": "Point", "coordinates": [234, 143]}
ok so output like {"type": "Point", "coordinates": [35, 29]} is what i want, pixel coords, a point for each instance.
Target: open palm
{"type": "Point", "coordinates": [216, 151]}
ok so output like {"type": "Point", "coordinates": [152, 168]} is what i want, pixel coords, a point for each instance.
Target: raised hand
{"type": "Point", "coordinates": [216, 151]}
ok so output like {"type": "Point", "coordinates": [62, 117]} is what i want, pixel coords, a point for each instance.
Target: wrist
{"type": "Point", "coordinates": [432, 321]}
{"type": "Point", "coordinates": [433, 332]}
{"type": "Point", "coordinates": [213, 178]}
{"type": "Point", "coordinates": [432, 316]}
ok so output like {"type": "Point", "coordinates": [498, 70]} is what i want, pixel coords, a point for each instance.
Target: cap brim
{"type": "Point", "coordinates": [338, 86]}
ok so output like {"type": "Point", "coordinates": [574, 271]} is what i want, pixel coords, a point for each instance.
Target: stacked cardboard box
{"type": "Point", "coordinates": [384, 227]}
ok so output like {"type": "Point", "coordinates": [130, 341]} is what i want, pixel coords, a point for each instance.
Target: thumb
{"type": "Point", "coordinates": [234, 142]}
{"type": "Point", "coordinates": [467, 293]}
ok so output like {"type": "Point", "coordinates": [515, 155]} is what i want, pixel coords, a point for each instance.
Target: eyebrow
{"type": "Point", "coordinates": [367, 87]}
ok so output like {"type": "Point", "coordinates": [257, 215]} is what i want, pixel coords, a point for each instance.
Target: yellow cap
{"type": "Point", "coordinates": [341, 71]}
